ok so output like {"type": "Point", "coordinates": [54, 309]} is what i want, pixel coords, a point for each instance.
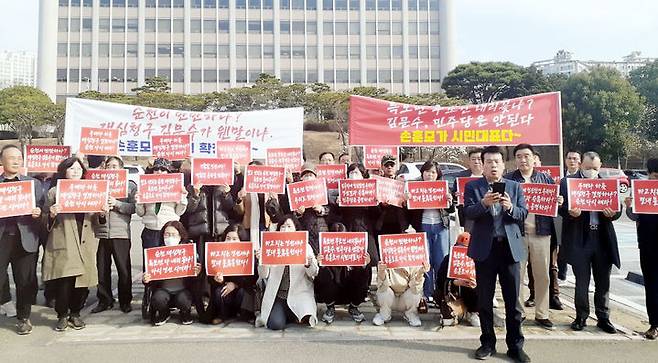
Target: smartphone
{"type": "Point", "coordinates": [499, 188]}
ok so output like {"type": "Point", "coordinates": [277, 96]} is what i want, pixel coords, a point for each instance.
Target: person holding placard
{"type": "Point", "coordinates": [399, 289]}
{"type": "Point", "coordinates": [171, 293]}
{"type": "Point", "coordinates": [327, 158]}
{"type": "Point", "coordinates": [69, 259]}
{"type": "Point", "coordinates": [474, 164]}
{"type": "Point", "coordinates": [316, 219]}
{"type": "Point", "coordinates": [391, 219]}
{"type": "Point", "coordinates": [289, 295]}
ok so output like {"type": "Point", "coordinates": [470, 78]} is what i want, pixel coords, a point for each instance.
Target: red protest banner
{"type": "Point", "coordinates": [460, 266]}
{"type": "Point", "coordinates": [171, 147]}
{"type": "Point", "coordinates": [428, 194]}
{"type": "Point", "coordinates": [98, 141]}
{"type": "Point", "coordinates": [332, 174]}
{"type": "Point", "coordinates": [239, 151]}
{"type": "Point", "coordinates": [211, 171]}
{"type": "Point", "coordinates": [541, 199]}
{"type": "Point", "coordinates": [265, 179]}
{"type": "Point", "coordinates": [307, 194]}
{"type": "Point", "coordinates": [593, 194]}
{"type": "Point", "coordinates": [554, 172]}
{"type": "Point", "coordinates": [373, 155]}
{"type": "Point", "coordinates": [343, 248]}
{"type": "Point", "coordinates": [160, 188]}
{"type": "Point", "coordinates": [283, 248]}
{"type": "Point", "coordinates": [403, 250]}
{"type": "Point", "coordinates": [170, 262]}
{"type": "Point", "coordinates": [390, 191]}
{"type": "Point", "coordinates": [357, 192]}
{"type": "Point", "coordinates": [82, 196]}
{"type": "Point", "coordinates": [118, 179]}
{"type": "Point", "coordinates": [461, 187]}
{"type": "Point", "coordinates": [645, 196]}
{"type": "Point", "coordinates": [17, 198]}
{"type": "Point", "coordinates": [229, 258]}
{"type": "Point", "coordinates": [45, 158]}
{"type": "Point", "coordinates": [535, 120]}
{"type": "Point", "coordinates": [289, 158]}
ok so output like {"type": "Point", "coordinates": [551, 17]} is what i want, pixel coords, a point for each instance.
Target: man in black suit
{"type": "Point", "coordinates": [589, 244]}
{"type": "Point", "coordinates": [497, 248]}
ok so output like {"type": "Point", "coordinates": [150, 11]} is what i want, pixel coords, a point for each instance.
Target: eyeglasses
{"type": "Point", "coordinates": [167, 234]}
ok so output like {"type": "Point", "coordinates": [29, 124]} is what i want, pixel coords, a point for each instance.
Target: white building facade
{"type": "Point", "coordinates": [563, 63]}
{"type": "Point", "coordinates": [17, 69]}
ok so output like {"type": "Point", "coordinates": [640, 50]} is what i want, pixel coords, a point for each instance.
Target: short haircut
{"type": "Point", "coordinates": [652, 165]}
{"type": "Point", "coordinates": [114, 157]}
{"type": "Point", "coordinates": [522, 147]}
{"type": "Point", "coordinates": [95, 161]}
{"type": "Point", "coordinates": [572, 152]}
{"type": "Point", "coordinates": [9, 146]}
{"type": "Point", "coordinates": [591, 155]}
{"type": "Point", "coordinates": [343, 154]}
{"type": "Point", "coordinates": [474, 151]}
{"type": "Point", "coordinates": [429, 164]}
{"type": "Point", "coordinates": [537, 154]}
{"type": "Point", "coordinates": [325, 153]}
{"type": "Point", "coordinates": [491, 150]}
{"type": "Point", "coordinates": [237, 228]}
{"type": "Point", "coordinates": [295, 221]}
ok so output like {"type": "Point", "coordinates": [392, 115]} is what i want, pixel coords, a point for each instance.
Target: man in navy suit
{"type": "Point", "coordinates": [497, 248]}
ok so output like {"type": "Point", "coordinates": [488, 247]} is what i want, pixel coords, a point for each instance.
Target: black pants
{"type": "Point", "coordinates": [5, 294]}
{"type": "Point", "coordinates": [69, 300]}
{"type": "Point", "coordinates": [648, 259]}
{"type": "Point", "coordinates": [501, 264]}
{"type": "Point", "coordinates": [226, 307]}
{"type": "Point", "coordinates": [280, 315]}
{"type": "Point", "coordinates": [23, 266]}
{"type": "Point", "coordinates": [119, 249]}
{"type": "Point", "coordinates": [162, 300]}
{"type": "Point", "coordinates": [337, 285]}
{"type": "Point", "coordinates": [592, 260]}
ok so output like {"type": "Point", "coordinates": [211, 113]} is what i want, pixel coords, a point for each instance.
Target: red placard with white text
{"type": "Point", "coordinates": [118, 179]}
{"type": "Point", "coordinates": [541, 199]}
{"type": "Point", "coordinates": [645, 196]}
{"type": "Point", "coordinates": [283, 248]}
{"type": "Point", "coordinates": [390, 191]}
{"type": "Point", "coordinates": [373, 155]}
{"type": "Point", "coordinates": [17, 198]}
{"type": "Point", "coordinates": [403, 250]}
{"type": "Point", "coordinates": [554, 172]}
{"type": "Point", "coordinates": [82, 196]}
{"type": "Point", "coordinates": [428, 194]}
{"type": "Point", "coordinates": [593, 194]}
{"type": "Point", "coordinates": [171, 147]}
{"type": "Point", "coordinates": [98, 141]}
{"type": "Point", "coordinates": [343, 248]}
{"type": "Point", "coordinates": [160, 188]}
{"type": "Point", "coordinates": [45, 158]}
{"type": "Point", "coordinates": [307, 194]}
{"type": "Point", "coordinates": [212, 171]}
{"type": "Point", "coordinates": [461, 187]}
{"type": "Point", "coordinates": [357, 192]}
{"type": "Point", "coordinates": [239, 151]}
{"type": "Point", "coordinates": [460, 266]}
{"type": "Point", "coordinates": [170, 262]}
{"type": "Point", "coordinates": [332, 174]}
{"type": "Point", "coordinates": [289, 158]}
{"type": "Point", "coordinates": [265, 179]}
{"type": "Point", "coordinates": [229, 258]}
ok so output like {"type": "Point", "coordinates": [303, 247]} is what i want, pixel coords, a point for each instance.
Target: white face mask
{"type": "Point", "coordinates": [356, 175]}
{"type": "Point", "coordinates": [171, 241]}
{"type": "Point", "coordinates": [590, 173]}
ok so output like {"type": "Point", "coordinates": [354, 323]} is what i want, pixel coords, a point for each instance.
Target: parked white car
{"type": "Point", "coordinates": [411, 171]}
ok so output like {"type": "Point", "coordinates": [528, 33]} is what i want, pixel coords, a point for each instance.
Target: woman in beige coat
{"type": "Point", "coordinates": [69, 260]}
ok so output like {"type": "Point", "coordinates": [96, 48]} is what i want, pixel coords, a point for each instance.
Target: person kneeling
{"type": "Point", "coordinates": [399, 289]}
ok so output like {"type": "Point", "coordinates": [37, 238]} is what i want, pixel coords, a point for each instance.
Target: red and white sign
{"type": "Point", "coordinates": [373, 155]}
{"type": "Point", "coordinates": [390, 191]}
{"type": "Point", "coordinates": [99, 141]}
{"type": "Point", "coordinates": [461, 187]}
{"type": "Point", "coordinates": [332, 174]}
{"type": "Point", "coordinates": [645, 196]}
{"type": "Point", "coordinates": [45, 158]}
{"type": "Point", "coordinates": [171, 147]}
{"type": "Point", "coordinates": [265, 179]}
{"type": "Point", "coordinates": [307, 194]}
{"type": "Point", "coordinates": [17, 198]}
{"type": "Point", "coordinates": [343, 248]}
{"type": "Point", "coordinates": [554, 172]}
{"type": "Point", "coordinates": [536, 120]}
{"type": "Point", "coordinates": [240, 151]}
{"type": "Point", "coordinates": [593, 194]}
{"type": "Point", "coordinates": [428, 194]}
{"type": "Point", "coordinates": [541, 199]}
{"type": "Point", "coordinates": [211, 171]}
{"type": "Point", "coordinates": [283, 248]}
{"type": "Point", "coordinates": [170, 262]}
{"type": "Point", "coordinates": [82, 196]}
{"type": "Point", "coordinates": [118, 179]}
{"type": "Point", "coordinates": [289, 158]}
{"type": "Point", "coordinates": [403, 250]}
{"type": "Point", "coordinates": [357, 192]}
{"type": "Point", "coordinates": [460, 266]}
{"type": "Point", "coordinates": [160, 188]}
{"type": "Point", "coordinates": [229, 258]}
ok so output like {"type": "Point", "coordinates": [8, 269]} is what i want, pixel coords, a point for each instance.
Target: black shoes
{"type": "Point", "coordinates": [579, 324]}
{"type": "Point", "coordinates": [101, 307]}
{"type": "Point", "coordinates": [23, 327]}
{"type": "Point", "coordinates": [126, 308]}
{"type": "Point", "coordinates": [62, 324]}
{"type": "Point", "coordinates": [76, 322]}
{"type": "Point", "coordinates": [484, 352]}
{"type": "Point", "coordinates": [606, 326]}
{"type": "Point", "coordinates": [518, 356]}
{"type": "Point", "coordinates": [652, 333]}
{"type": "Point", "coordinates": [545, 323]}
{"type": "Point", "coordinates": [555, 303]}
{"type": "Point", "coordinates": [530, 303]}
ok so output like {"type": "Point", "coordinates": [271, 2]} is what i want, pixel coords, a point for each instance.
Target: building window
{"type": "Point", "coordinates": [268, 4]}
{"type": "Point", "coordinates": [371, 52]}
{"type": "Point", "coordinates": [131, 3]}
{"type": "Point", "coordinates": [311, 27]}
{"type": "Point", "coordinates": [178, 50]}
{"type": "Point", "coordinates": [355, 28]}
{"type": "Point", "coordinates": [74, 75]}
{"type": "Point", "coordinates": [106, 3]}
{"type": "Point", "coordinates": [384, 52]}
{"type": "Point", "coordinates": [131, 49]}
{"type": "Point", "coordinates": [195, 50]}
{"type": "Point", "coordinates": [150, 3]}
{"type": "Point", "coordinates": [62, 25]}
{"type": "Point", "coordinates": [62, 50]}
{"type": "Point", "coordinates": [164, 25]}
{"type": "Point", "coordinates": [355, 52]}
{"type": "Point", "coordinates": [240, 4]}
{"type": "Point", "coordinates": [241, 51]}
{"type": "Point", "coordinates": [285, 76]}
{"type": "Point", "coordinates": [311, 5]}
{"type": "Point", "coordinates": [284, 4]}
{"type": "Point", "coordinates": [328, 28]}
{"type": "Point", "coordinates": [341, 51]}
{"type": "Point", "coordinates": [178, 75]}
{"type": "Point", "coordinates": [329, 76]}
{"type": "Point", "coordinates": [285, 51]}
{"type": "Point", "coordinates": [178, 4]}
{"type": "Point", "coordinates": [103, 50]}
{"type": "Point", "coordinates": [164, 49]}
{"type": "Point", "coordinates": [297, 27]}
{"type": "Point", "coordinates": [396, 28]}
{"type": "Point", "coordinates": [424, 52]}
{"type": "Point", "coordinates": [422, 4]}
{"type": "Point", "coordinates": [149, 73]}
{"type": "Point", "coordinates": [195, 75]}
{"type": "Point", "coordinates": [312, 52]}
{"type": "Point", "coordinates": [384, 28]}
{"type": "Point", "coordinates": [149, 49]}
{"type": "Point", "coordinates": [285, 26]}
{"type": "Point", "coordinates": [342, 76]}
{"type": "Point", "coordinates": [63, 3]}
{"type": "Point", "coordinates": [224, 76]}
{"type": "Point", "coordinates": [298, 52]}
{"type": "Point", "coordinates": [434, 27]}
{"type": "Point", "coordinates": [385, 75]}
{"type": "Point", "coordinates": [341, 28]}
{"type": "Point", "coordinates": [149, 25]}
{"type": "Point", "coordinates": [397, 4]}
{"type": "Point", "coordinates": [164, 73]}
{"type": "Point", "coordinates": [118, 3]}
{"type": "Point", "coordinates": [254, 51]}
{"type": "Point", "coordinates": [254, 26]}
{"type": "Point", "coordinates": [241, 26]}
{"type": "Point", "coordinates": [341, 5]}
{"type": "Point", "coordinates": [117, 75]}
{"type": "Point", "coordinates": [268, 27]}
{"type": "Point", "coordinates": [328, 52]}
{"type": "Point", "coordinates": [397, 52]}
{"type": "Point", "coordinates": [372, 4]}
{"type": "Point", "coordinates": [383, 4]}
{"type": "Point", "coordinates": [371, 28]}
{"type": "Point", "coordinates": [178, 26]}
{"type": "Point", "coordinates": [209, 4]}
{"type": "Point", "coordinates": [195, 25]}
{"type": "Point", "coordinates": [413, 4]}
{"type": "Point", "coordinates": [133, 25]}
{"type": "Point", "coordinates": [195, 4]}
{"type": "Point", "coordinates": [298, 76]}
{"type": "Point", "coordinates": [210, 51]}
{"type": "Point", "coordinates": [118, 50]}
{"type": "Point", "coordinates": [423, 28]}
{"type": "Point", "coordinates": [86, 24]}
{"type": "Point", "coordinates": [312, 76]}
{"type": "Point", "coordinates": [209, 26]}
{"type": "Point", "coordinates": [254, 4]}
{"type": "Point", "coordinates": [61, 75]}
{"type": "Point", "coordinates": [328, 4]}
{"type": "Point", "coordinates": [398, 76]}
{"type": "Point", "coordinates": [164, 4]}
{"type": "Point", "coordinates": [297, 4]}
{"type": "Point", "coordinates": [210, 75]}
{"type": "Point", "coordinates": [74, 50]}
{"type": "Point", "coordinates": [355, 76]}
{"type": "Point", "coordinates": [85, 51]}
{"type": "Point", "coordinates": [118, 25]}
{"type": "Point", "coordinates": [268, 51]}
{"type": "Point", "coordinates": [241, 75]}
{"type": "Point", "coordinates": [223, 26]}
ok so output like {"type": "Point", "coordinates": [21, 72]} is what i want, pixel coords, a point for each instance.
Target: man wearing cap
{"type": "Point", "coordinates": [392, 219]}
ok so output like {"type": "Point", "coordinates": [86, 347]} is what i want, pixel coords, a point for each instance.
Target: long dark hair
{"type": "Point", "coordinates": [179, 227]}
{"type": "Point", "coordinates": [295, 221]}
{"type": "Point", "coordinates": [64, 166]}
{"type": "Point", "coordinates": [238, 228]}
{"type": "Point", "coordinates": [362, 169]}
{"type": "Point", "coordinates": [429, 164]}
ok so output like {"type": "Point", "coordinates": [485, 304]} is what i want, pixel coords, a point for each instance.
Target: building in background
{"type": "Point", "coordinates": [17, 69]}
{"type": "Point", "coordinates": [563, 63]}
{"type": "Point", "coordinates": [405, 46]}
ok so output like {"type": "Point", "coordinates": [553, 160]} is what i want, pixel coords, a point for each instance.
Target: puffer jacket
{"type": "Point", "coordinates": [117, 223]}
{"type": "Point", "coordinates": [210, 212]}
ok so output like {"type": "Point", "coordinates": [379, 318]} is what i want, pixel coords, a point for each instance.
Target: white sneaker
{"type": "Point", "coordinates": [473, 319]}
{"type": "Point", "coordinates": [412, 319]}
{"type": "Point", "coordinates": [379, 320]}
{"type": "Point", "coordinates": [9, 309]}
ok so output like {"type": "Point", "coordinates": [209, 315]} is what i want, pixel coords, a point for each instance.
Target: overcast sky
{"type": "Point", "coordinates": [520, 31]}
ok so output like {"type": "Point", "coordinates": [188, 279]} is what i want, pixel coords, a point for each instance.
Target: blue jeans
{"type": "Point", "coordinates": [438, 246]}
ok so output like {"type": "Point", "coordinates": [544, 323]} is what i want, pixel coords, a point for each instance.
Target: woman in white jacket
{"type": "Point", "coordinates": [289, 295]}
